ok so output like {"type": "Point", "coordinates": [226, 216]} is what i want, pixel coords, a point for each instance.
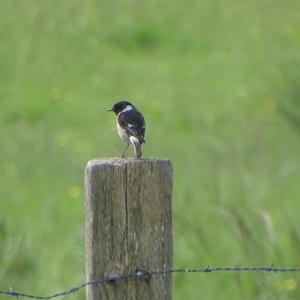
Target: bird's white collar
{"type": "Point", "coordinates": [127, 108]}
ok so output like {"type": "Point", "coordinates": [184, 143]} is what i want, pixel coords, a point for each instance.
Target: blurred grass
{"type": "Point", "coordinates": [218, 83]}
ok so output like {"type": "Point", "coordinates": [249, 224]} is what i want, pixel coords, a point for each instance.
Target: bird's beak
{"type": "Point", "coordinates": [110, 109]}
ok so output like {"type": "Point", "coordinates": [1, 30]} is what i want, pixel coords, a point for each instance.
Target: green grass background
{"type": "Point", "coordinates": [218, 82]}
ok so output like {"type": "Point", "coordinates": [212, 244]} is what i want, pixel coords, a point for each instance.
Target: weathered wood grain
{"type": "Point", "coordinates": [128, 225]}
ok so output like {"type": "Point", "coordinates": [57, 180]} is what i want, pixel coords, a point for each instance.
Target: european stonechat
{"type": "Point", "coordinates": [130, 125]}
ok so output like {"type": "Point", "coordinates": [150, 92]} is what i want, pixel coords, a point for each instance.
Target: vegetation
{"type": "Point", "coordinates": [218, 82]}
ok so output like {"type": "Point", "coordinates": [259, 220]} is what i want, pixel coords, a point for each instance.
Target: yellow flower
{"type": "Point", "coordinates": [269, 105]}
{"type": "Point", "coordinates": [79, 147]}
{"type": "Point", "coordinates": [56, 92]}
{"type": "Point", "coordinates": [290, 284]}
{"type": "Point", "coordinates": [75, 191]}
{"type": "Point", "coordinates": [62, 140]}
{"type": "Point", "coordinates": [10, 169]}
{"type": "Point", "coordinates": [287, 285]}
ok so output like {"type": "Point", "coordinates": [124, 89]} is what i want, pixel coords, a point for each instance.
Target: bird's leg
{"type": "Point", "coordinates": [123, 155]}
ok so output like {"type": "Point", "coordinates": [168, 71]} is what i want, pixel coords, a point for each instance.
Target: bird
{"type": "Point", "coordinates": [131, 126]}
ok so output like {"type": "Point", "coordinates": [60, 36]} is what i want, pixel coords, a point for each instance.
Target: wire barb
{"type": "Point", "coordinates": [270, 266]}
{"type": "Point", "coordinates": [141, 273]}
{"type": "Point", "coordinates": [207, 269]}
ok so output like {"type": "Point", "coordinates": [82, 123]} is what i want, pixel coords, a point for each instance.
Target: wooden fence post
{"type": "Point", "coordinates": [128, 226]}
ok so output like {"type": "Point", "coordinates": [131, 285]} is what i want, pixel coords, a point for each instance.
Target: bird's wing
{"type": "Point", "coordinates": [133, 121]}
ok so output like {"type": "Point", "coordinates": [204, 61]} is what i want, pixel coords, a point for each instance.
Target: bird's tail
{"type": "Point", "coordinates": [137, 150]}
{"type": "Point", "coordinates": [137, 147]}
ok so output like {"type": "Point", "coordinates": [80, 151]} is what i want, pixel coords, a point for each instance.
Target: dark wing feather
{"type": "Point", "coordinates": [134, 122]}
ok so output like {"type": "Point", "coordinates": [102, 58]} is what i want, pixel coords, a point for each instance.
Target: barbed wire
{"type": "Point", "coordinates": [141, 273]}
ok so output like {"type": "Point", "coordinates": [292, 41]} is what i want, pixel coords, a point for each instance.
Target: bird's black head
{"type": "Point", "coordinates": [119, 106]}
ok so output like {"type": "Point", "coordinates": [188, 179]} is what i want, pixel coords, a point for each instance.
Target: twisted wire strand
{"type": "Point", "coordinates": [142, 273]}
